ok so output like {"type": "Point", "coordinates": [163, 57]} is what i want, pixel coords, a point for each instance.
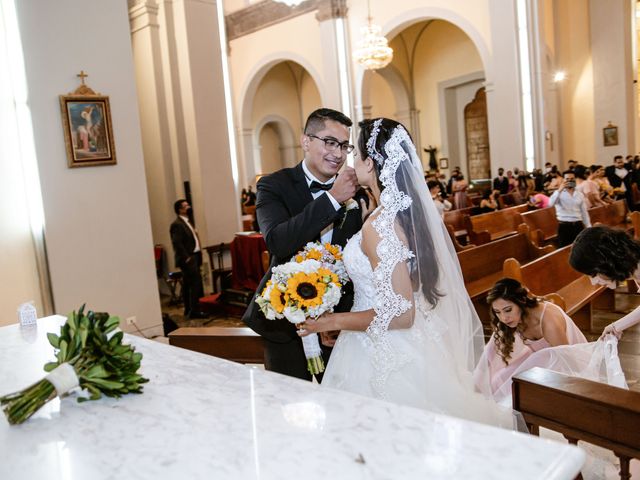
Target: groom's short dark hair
{"type": "Point", "coordinates": [315, 121]}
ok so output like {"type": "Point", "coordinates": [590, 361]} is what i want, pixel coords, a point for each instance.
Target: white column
{"type": "Point", "coordinates": [161, 186]}
{"type": "Point", "coordinates": [611, 51]}
{"type": "Point", "coordinates": [204, 115]}
{"type": "Point", "coordinates": [503, 91]}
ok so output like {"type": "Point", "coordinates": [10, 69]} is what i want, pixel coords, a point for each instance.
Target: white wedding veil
{"type": "Point", "coordinates": [436, 278]}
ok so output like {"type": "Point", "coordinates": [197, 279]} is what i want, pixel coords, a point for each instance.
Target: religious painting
{"type": "Point", "coordinates": [444, 163]}
{"type": "Point", "coordinates": [477, 137]}
{"type": "Point", "coordinates": [610, 133]}
{"type": "Point", "coordinates": [88, 134]}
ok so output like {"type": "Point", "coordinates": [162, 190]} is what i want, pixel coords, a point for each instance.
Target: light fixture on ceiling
{"type": "Point", "coordinates": [373, 50]}
{"type": "Point", "coordinates": [290, 3]}
{"type": "Point", "coordinates": [559, 76]}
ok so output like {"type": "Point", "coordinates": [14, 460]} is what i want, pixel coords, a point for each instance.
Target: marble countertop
{"type": "Point", "coordinates": [201, 417]}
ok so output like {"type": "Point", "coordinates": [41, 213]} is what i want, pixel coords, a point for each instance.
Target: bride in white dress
{"type": "Point", "coordinates": [412, 336]}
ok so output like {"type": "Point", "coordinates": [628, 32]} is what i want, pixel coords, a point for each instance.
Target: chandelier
{"type": "Point", "coordinates": [373, 50]}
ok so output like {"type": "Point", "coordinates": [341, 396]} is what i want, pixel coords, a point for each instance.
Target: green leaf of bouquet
{"type": "Point", "coordinates": [112, 323]}
{"type": "Point", "coordinates": [97, 371]}
{"type": "Point", "coordinates": [108, 384]}
{"type": "Point", "coordinates": [50, 366]}
{"type": "Point", "coordinates": [54, 339]}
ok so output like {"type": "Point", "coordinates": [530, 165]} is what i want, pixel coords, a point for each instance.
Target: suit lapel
{"type": "Point", "coordinates": [301, 187]}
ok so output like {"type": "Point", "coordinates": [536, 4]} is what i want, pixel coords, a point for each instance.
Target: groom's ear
{"type": "Point", "coordinates": [304, 141]}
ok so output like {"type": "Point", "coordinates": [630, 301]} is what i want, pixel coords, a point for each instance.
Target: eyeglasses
{"type": "Point", "coordinates": [331, 143]}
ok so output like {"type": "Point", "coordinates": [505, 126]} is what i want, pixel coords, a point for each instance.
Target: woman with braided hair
{"type": "Point", "coordinates": [608, 256]}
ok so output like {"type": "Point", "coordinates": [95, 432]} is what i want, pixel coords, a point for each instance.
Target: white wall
{"type": "Point", "coordinates": [97, 218]}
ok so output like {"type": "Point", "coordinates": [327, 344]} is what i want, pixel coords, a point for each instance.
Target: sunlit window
{"type": "Point", "coordinates": [525, 85]}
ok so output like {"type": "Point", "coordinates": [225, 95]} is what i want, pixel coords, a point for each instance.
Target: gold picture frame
{"type": "Point", "coordinates": [88, 133]}
{"type": "Point", "coordinates": [610, 135]}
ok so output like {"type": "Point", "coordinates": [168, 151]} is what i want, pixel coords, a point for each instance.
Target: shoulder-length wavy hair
{"type": "Point", "coordinates": [606, 251]}
{"type": "Point", "coordinates": [503, 335]}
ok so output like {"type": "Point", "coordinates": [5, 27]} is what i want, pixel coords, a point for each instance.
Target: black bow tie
{"type": "Point", "coordinates": [315, 187]}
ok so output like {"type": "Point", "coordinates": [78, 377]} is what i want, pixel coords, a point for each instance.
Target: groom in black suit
{"type": "Point", "coordinates": [298, 205]}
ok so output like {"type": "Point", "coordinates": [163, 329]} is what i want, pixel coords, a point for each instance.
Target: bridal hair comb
{"type": "Point", "coordinates": [371, 143]}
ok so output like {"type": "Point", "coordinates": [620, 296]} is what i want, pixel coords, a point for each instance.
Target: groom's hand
{"type": "Point", "coordinates": [328, 339]}
{"type": "Point", "coordinates": [345, 185]}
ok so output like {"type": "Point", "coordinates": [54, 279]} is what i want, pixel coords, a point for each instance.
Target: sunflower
{"type": "Point", "coordinates": [306, 290]}
{"type": "Point", "coordinates": [333, 250]}
{"type": "Point", "coordinates": [327, 276]}
{"type": "Point", "coordinates": [314, 254]}
{"type": "Point", "coordinates": [278, 299]}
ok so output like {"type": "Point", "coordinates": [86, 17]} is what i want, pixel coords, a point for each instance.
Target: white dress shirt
{"type": "Point", "coordinates": [570, 207]}
{"type": "Point", "coordinates": [327, 233]}
{"type": "Point", "coordinates": [193, 231]}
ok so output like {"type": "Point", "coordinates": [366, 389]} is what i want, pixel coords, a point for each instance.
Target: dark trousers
{"type": "Point", "coordinates": [192, 289]}
{"type": "Point", "coordinates": [567, 232]}
{"type": "Point", "coordinates": [288, 358]}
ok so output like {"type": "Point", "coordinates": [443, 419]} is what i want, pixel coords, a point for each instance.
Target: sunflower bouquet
{"type": "Point", "coordinates": [306, 286]}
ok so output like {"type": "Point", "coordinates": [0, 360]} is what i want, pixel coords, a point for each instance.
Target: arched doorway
{"type": "Point", "coordinates": [275, 108]}
{"type": "Point", "coordinates": [437, 68]}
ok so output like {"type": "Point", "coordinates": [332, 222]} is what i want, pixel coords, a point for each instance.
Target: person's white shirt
{"type": "Point", "coordinates": [570, 207]}
{"type": "Point", "coordinates": [327, 233]}
{"type": "Point", "coordinates": [193, 231]}
{"type": "Point", "coordinates": [442, 205]}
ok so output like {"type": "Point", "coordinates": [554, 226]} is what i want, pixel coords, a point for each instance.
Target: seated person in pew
{"type": "Point", "coordinates": [539, 200]}
{"type": "Point", "coordinates": [522, 325]}
{"type": "Point", "coordinates": [489, 202]}
{"type": "Point", "coordinates": [608, 256]}
{"type": "Point", "coordinates": [442, 204]}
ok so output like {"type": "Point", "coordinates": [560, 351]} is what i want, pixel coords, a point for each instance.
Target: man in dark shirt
{"type": "Point", "coordinates": [501, 183]}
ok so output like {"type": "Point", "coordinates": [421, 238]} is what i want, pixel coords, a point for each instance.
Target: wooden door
{"type": "Point", "coordinates": [477, 137]}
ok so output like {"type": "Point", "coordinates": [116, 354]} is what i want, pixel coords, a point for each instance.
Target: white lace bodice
{"type": "Point", "coordinates": [360, 272]}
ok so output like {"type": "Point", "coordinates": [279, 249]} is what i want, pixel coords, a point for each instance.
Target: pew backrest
{"type": "Point", "coordinates": [543, 224]}
{"type": "Point", "coordinates": [491, 226]}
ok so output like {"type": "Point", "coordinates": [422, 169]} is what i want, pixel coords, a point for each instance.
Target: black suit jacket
{"type": "Point", "coordinates": [289, 218]}
{"type": "Point", "coordinates": [616, 181]}
{"type": "Point", "coordinates": [182, 240]}
{"type": "Point", "coordinates": [501, 184]}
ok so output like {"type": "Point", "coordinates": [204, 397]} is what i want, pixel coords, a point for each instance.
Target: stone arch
{"type": "Point", "coordinates": [398, 87]}
{"type": "Point", "coordinates": [287, 137]}
{"type": "Point", "coordinates": [247, 97]}
{"type": "Point", "coordinates": [413, 16]}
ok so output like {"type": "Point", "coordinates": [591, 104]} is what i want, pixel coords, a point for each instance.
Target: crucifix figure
{"type": "Point", "coordinates": [82, 76]}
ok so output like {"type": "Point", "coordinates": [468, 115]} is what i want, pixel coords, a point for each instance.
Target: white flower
{"type": "Point", "coordinates": [294, 315]}
{"type": "Point", "coordinates": [351, 204]}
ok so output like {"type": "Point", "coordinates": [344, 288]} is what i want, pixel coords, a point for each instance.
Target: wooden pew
{"type": "Point", "coordinates": [238, 344]}
{"type": "Point", "coordinates": [455, 218]}
{"type": "Point", "coordinates": [543, 225]}
{"type": "Point", "coordinates": [487, 227]}
{"type": "Point", "coordinates": [581, 410]}
{"type": "Point", "coordinates": [612, 215]}
{"type": "Point", "coordinates": [507, 200]}
{"type": "Point", "coordinates": [456, 244]}
{"type": "Point", "coordinates": [552, 273]}
{"type": "Point", "coordinates": [482, 266]}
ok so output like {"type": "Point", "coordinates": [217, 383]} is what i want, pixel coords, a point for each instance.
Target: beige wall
{"type": "Point", "coordinates": [17, 256]}
{"type": "Point", "coordinates": [284, 98]}
{"type": "Point", "coordinates": [573, 53]}
{"type": "Point", "coordinates": [382, 99]}
{"type": "Point", "coordinates": [444, 52]}
{"type": "Point", "coordinates": [97, 219]}
{"type": "Point", "coordinates": [270, 154]}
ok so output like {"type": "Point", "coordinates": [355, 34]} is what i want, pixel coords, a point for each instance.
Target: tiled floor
{"type": "Point", "coordinates": [629, 346]}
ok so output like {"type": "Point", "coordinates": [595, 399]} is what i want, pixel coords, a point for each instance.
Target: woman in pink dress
{"type": "Point", "coordinates": [522, 325]}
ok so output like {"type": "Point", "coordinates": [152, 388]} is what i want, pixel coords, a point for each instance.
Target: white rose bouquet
{"type": "Point", "coordinates": [306, 286]}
